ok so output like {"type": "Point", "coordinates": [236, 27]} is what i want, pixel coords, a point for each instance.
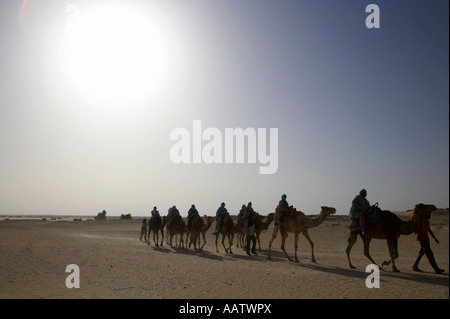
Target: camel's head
{"type": "Point", "coordinates": [271, 216]}
{"type": "Point", "coordinates": [421, 211]}
{"type": "Point", "coordinates": [325, 210]}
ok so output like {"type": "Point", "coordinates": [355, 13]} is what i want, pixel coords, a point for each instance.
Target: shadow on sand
{"type": "Point", "coordinates": [429, 278]}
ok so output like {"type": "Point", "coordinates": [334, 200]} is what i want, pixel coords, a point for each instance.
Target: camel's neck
{"type": "Point", "coordinates": [315, 221]}
{"type": "Point", "coordinates": [267, 223]}
{"type": "Point", "coordinates": [407, 227]}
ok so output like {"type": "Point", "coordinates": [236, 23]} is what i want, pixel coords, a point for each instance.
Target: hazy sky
{"type": "Point", "coordinates": [354, 107]}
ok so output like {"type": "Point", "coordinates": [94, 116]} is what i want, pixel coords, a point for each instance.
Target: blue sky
{"type": "Point", "coordinates": [355, 108]}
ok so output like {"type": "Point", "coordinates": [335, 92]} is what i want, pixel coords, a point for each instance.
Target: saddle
{"type": "Point", "coordinates": [374, 213]}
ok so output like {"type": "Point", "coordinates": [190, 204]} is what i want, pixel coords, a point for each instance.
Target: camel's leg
{"type": "Point", "coordinates": [230, 238]}
{"type": "Point", "coordinates": [162, 236]}
{"type": "Point", "coordinates": [393, 253]}
{"type": "Point", "coordinates": [194, 240]}
{"type": "Point", "coordinates": [217, 237]}
{"type": "Point", "coordinates": [170, 240]}
{"type": "Point", "coordinates": [396, 248]}
{"type": "Point", "coordinates": [283, 241]}
{"type": "Point", "coordinates": [183, 243]}
{"type": "Point", "coordinates": [259, 242]}
{"type": "Point", "coordinates": [178, 241]}
{"type": "Point", "coordinates": [366, 242]}
{"type": "Point", "coordinates": [296, 246]}
{"type": "Point", "coordinates": [189, 239]}
{"type": "Point", "coordinates": [157, 238]}
{"type": "Point", "coordinates": [305, 233]}
{"type": "Point", "coordinates": [204, 241]}
{"type": "Point", "coordinates": [223, 243]}
{"type": "Point", "coordinates": [274, 234]}
{"type": "Point", "coordinates": [352, 238]}
{"type": "Point", "coordinates": [148, 237]}
{"type": "Point", "coordinates": [197, 242]}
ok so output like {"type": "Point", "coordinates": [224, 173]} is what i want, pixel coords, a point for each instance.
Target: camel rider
{"type": "Point", "coordinates": [155, 213]}
{"type": "Point", "coordinates": [173, 212]}
{"type": "Point", "coordinates": [283, 207]}
{"type": "Point", "coordinates": [249, 228]}
{"type": "Point", "coordinates": [241, 212]}
{"type": "Point", "coordinates": [191, 214]}
{"type": "Point", "coordinates": [221, 213]}
{"type": "Point", "coordinates": [248, 214]}
{"type": "Point", "coordinates": [360, 206]}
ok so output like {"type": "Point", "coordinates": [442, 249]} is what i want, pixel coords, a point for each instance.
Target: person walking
{"type": "Point", "coordinates": [144, 229]}
{"type": "Point", "coordinates": [249, 228]}
{"type": "Point", "coordinates": [425, 248]}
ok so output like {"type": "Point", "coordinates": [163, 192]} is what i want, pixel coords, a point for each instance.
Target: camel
{"type": "Point", "coordinates": [298, 223]}
{"type": "Point", "coordinates": [240, 240]}
{"type": "Point", "coordinates": [199, 226]}
{"type": "Point", "coordinates": [261, 226]}
{"type": "Point", "coordinates": [156, 224]}
{"type": "Point", "coordinates": [227, 230]}
{"type": "Point", "coordinates": [387, 226]}
{"type": "Point", "coordinates": [177, 226]}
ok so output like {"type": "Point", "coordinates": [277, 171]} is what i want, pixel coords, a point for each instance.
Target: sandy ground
{"type": "Point", "coordinates": [114, 263]}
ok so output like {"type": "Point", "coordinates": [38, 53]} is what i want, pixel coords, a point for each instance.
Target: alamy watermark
{"type": "Point", "coordinates": [373, 280]}
{"type": "Point", "coordinates": [229, 147]}
{"type": "Point", "coordinates": [73, 280]}
{"type": "Point", "coordinates": [373, 19]}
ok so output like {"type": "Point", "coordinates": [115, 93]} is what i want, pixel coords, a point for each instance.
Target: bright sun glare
{"type": "Point", "coordinates": [112, 53]}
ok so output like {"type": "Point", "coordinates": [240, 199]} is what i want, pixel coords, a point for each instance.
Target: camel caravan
{"type": "Point", "coordinates": [368, 222]}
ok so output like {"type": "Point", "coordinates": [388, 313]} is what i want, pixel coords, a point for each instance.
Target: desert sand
{"type": "Point", "coordinates": [114, 263]}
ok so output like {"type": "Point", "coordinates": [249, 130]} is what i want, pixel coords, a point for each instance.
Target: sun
{"type": "Point", "coordinates": [112, 53]}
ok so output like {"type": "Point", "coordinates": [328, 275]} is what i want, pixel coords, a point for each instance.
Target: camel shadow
{"type": "Point", "coordinates": [305, 262]}
{"type": "Point", "coordinates": [258, 257]}
{"type": "Point", "coordinates": [428, 278]}
{"type": "Point", "coordinates": [274, 255]}
{"type": "Point", "coordinates": [160, 248]}
{"type": "Point", "coordinates": [415, 277]}
{"type": "Point", "coordinates": [208, 255]}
